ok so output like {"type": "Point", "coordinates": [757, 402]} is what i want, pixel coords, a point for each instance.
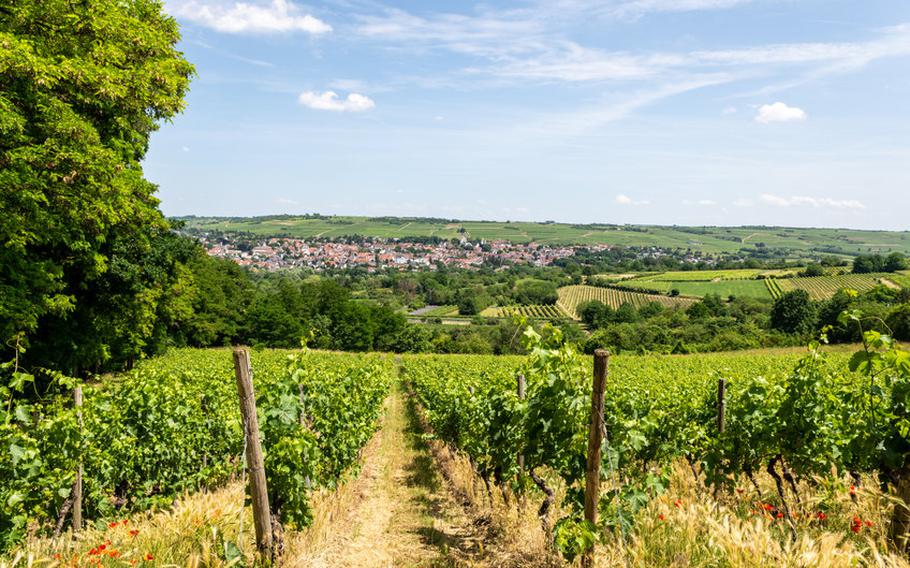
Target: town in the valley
{"type": "Point", "coordinates": [373, 254]}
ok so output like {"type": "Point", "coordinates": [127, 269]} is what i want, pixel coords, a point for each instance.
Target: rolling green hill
{"type": "Point", "coordinates": [700, 239]}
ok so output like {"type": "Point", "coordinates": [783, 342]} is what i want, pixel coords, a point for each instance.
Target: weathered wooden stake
{"type": "Point", "coordinates": [258, 490]}
{"type": "Point", "coordinates": [595, 441]}
{"type": "Point", "coordinates": [522, 386]}
{"type": "Point", "coordinates": [721, 405]}
{"type": "Point", "coordinates": [77, 485]}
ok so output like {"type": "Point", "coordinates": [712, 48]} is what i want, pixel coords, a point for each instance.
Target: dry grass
{"type": "Point", "coordinates": [200, 530]}
{"type": "Point", "coordinates": [688, 527]}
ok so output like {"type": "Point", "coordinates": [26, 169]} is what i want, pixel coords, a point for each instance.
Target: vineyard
{"type": "Point", "coordinates": [703, 275]}
{"type": "Point", "coordinates": [173, 426]}
{"type": "Point", "coordinates": [730, 418]}
{"type": "Point", "coordinates": [824, 287]}
{"type": "Point", "coordinates": [542, 311]}
{"type": "Point", "coordinates": [570, 297]}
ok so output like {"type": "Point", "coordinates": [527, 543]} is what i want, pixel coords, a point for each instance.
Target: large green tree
{"type": "Point", "coordinates": [83, 84]}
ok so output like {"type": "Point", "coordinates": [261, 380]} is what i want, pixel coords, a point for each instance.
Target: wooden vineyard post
{"type": "Point", "coordinates": [258, 490]}
{"type": "Point", "coordinates": [522, 386]}
{"type": "Point", "coordinates": [77, 485]}
{"type": "Point", "coordinates": [595, 440]}
{"type": "Point", "coordinates": [721, 405]}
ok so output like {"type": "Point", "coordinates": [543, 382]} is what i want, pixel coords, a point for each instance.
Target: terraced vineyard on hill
{"type": "Point", "coordinates": [570, 297]}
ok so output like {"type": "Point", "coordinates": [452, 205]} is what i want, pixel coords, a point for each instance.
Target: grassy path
{"type": "Point", "coordinates": [402, 514]}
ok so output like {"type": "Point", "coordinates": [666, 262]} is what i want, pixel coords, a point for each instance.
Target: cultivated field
{"type": "Point", "coordinates": [533, 312]}
{"type": "Point", "coordinates": [702, 275]}
{"type": "Point", "coordinates": [723, 288]}
{"type": "Point", "coordinates": [824, 287]}
{"type": "Point", "coordinates": [436, 311]}
{"type": "Point", "coordinates": [571, 296]}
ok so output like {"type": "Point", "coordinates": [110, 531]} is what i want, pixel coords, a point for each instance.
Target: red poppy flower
{"type": "Point", "coordinates": [869, 524]}
{"type": "Point", "coordinates": [821, 516]}
{"type": "Point", "coordinates": [662, 517]}
{"type": "Point", "coordinates": [112, 525]}
{"type": "Point", "coordinates": [768, 507]}
{"type": "Point", "coordinates": [853, 490]}
{"type": "Point", "coordinates": [780, 515]}
{"type": "Point", "coordinates": [134, 532]}
{"type": "Point", "coordinates": [149, 557]}
{"type": "Point", "coordinates": [678, 503]}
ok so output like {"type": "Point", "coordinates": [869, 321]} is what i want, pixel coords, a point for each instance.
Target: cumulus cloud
{"type": "Point", "coordinates": [623, 199]}
{"type": "Point", "coordinates": [279, 16]}
{"type": "Point", "coordinates": [779, 112]}
{"type": "Point", "coordinates": [330, 100]}
{"type": "Point", "coordinates": [817, 202]}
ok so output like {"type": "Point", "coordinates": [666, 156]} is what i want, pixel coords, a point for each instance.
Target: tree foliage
{"type": "Point", "coordinates": [82, 86]}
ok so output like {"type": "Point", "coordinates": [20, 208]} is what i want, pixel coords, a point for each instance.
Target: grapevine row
{"type": "Point", "coordinates": [570, 297]}
{"type": "Point", "coordinates": [173, 425]}
{"type": "Point", "coordinates": [807, 417]}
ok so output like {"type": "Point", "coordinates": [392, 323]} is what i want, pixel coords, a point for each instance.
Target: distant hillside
{"type": "Point", "coordinates": [774, 241]}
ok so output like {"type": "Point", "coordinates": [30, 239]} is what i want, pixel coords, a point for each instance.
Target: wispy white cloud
{"type": "Point", "coordinates": [623, 199]}
{"type": "Point", "coordinates": [817, 202]}
{"type": "Point", "coordinates": [631, 8]}
{"type": "Point", "coordinates": [641, 7]}
{"type": "Point", "coordinates": [779, 112]}
{"type": "Point", "coordinates": [527, 44]}
{"type": "Point", "coordinates": [330, 100]}
{"type": "Point", "coordinates": [279, 16]}
{"type": "Point", "coordinates": [231, 55]}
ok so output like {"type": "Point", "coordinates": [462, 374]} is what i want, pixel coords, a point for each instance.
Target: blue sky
{"type": "Point", "coordinates": [790, 112]}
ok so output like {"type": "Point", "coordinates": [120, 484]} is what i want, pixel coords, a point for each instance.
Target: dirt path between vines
{"type": "Point", "coordinates": [400, 512]}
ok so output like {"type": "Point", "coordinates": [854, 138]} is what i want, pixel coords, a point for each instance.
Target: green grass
{"type": "Point", "coordinates": [902, 279]}
{"type": "Point", "coordinates": [723, 288]}
{"type": "Point", "coordinates": [704, 239]}
{"type": "Point", "coordinates": [438, 312]}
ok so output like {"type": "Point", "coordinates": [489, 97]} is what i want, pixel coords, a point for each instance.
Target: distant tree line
{"type": "Point", "coordinates": [716, 324]}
